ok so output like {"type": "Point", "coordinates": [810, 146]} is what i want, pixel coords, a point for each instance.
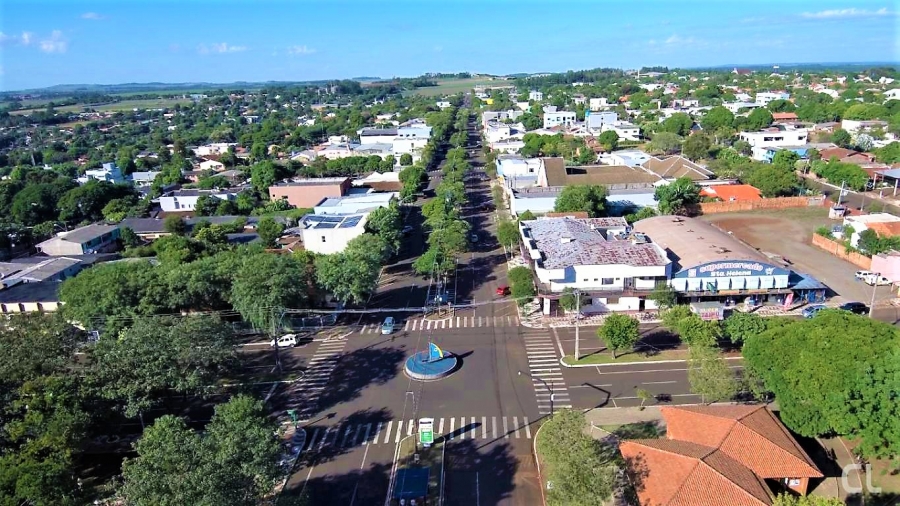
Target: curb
{"type": "Point", "coordinates": [674, 361]}
{"type": "Point", "coordinates": [537, 464]}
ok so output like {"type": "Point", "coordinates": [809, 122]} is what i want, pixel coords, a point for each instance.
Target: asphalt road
{"type": "Point", "coordinates": [855, 200]}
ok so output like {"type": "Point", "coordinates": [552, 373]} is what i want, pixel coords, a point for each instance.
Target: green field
{"type": "Point", "coordinates": [124, 105]}
{"type": "Point", "coordinates": [453, 86]}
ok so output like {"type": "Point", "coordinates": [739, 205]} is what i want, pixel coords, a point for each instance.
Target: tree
{"type": "Point", "coordinates": [406, 159]}
{"type": "Point", "coordinates": [609, 140]}
{"type": "Point", "coordinates": [581, 472]}
{"type": "Point", "coordinates": [206, 205]}
{"type": "Point", "coordinates": [664, 143]}
{"type": "Point", "coordinates": [265, 174]}
{"type": "Point", "coordinates": [352, 275]}
{"type": "Point", "coordinates": [129, 238]}
{"type": "Point", "coordinates": [266, 283]}
{"type": "Point", "coordinates": [889, 153]}
{"type": "Point", "coordinates": [386, 223]}
{"type": "Point", "coordinates": [568, 301]}
{"type": "Point", "coordinates": [741, 326]}
{"type": "Point", "coordinates": [36, 345]}
{"type": "Point", "coordinates": [678, 196]}
{"type": "Point", "coordinates": [716, 118]}
{"type": "Point", "coordinates": [527, 215]}
{"type": "Point", "coordinates": [842, 138]}
{"type": "Point", "coordinates": [508, 234]}
{"type": "Point", "coordinates": [709, 375]}
{"type": "Point", "coordinates": [174, 225]}
{"type": "Point", "coordinates": [664, 296]}
{"type": "Point", "coordinates": [269, 231]}
{"type": "Point", "coordinates": [619, 332]}
{"type": "Point", "coordinates": [785, 160]}
{"type": "Point", "coordinates": [772, 181]}
{"type": "Point", "coordinates": [582, 198]}
{"type": "Point", "coordinates": [679, 123]}
{"type": "Point", "coordinates": [521, 285]}
{"type": "Point", "coordinates": [759, 119]}
{"type": "Point", "coordinates": [697, 146]}
{"type": "Point", "coordinates": [644, 395]}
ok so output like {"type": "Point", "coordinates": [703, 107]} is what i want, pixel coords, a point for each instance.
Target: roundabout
{"type": "Point", "coordinates": [431, 364]}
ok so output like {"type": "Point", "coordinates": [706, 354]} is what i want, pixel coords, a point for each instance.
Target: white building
{"type": "Point", "coordinates": [764, 97]}
{"type": "Point", "coordinates": [443, 104]}
{"type": "Point", "coordinates": [536, 96]}
{"type": "Point", "coordinates": [513, 166]}
{"type": "Point", "coordinates": [215, 148]}
{"type": "Point", "coordinates": [328, 234]}
{"type": "Point", "coordinates": [557, 118]}
{"type": "Point", "coordinates": [625, 130]}
{"type": "Point", "coordinates": [499, 116]}
{"type": "Point", "coordinates": [508, 146]}
{"type": "Point", "coordinates": [355, 203]}
{"type": "Point", "coordinates": [892, 94]}
{"type": "Point", "coordinates": [143, 178]}
{"type": "Point", "coordinates": [774, 137]}
{"type": "Point", "coordinates": [109, 173]}
{"type": "Point", "coordinates": [596, 104]}
{"type": "Point", "coordinates": [734, 107]}
{"type": "Point", "coordinates": [596, 120]}
{"type": "Point", "coordinates": [629, 157]}
{"type": "Point", "coordinates": [213, 165]}
{"type": "Point", "coordinates": [186, 200]}
{"type": "Point", "coordinates": [861, 223]}
{"type": "Point", "coordinates": [496, 132]}
{"type": "Point", "coordinates": [614, 269]}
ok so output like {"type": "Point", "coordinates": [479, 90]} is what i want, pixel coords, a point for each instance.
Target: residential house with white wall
{"type": "Point", "coordinates": [879, 222]}
{"type": "Point", "coordinates": [535, 95]}
{"type": "Point", "coordinates": [614, 269]}
{"type": "Point", "coordinates": [109, 173]}
{"type": "Point", "coordinates": [776, 136]}
{"type": "Point", "coordinates": [595, 104]}
{"type": "Point", "coordinates": [327, 234]}
{"type": "Point", "coordinates": [559, 118]}
{"type": "Point", "coordinates": [82, 241]}
{"type": "Point", "coordinates": [215, 148]}
{"type": "Point", "coordinates": [764, 97]}
{"type": "Point", "coordinates": [186, 200]}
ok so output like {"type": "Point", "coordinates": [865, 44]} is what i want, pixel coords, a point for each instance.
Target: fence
{"type": "Point", "coordinates": [773, 203]}
{"type": "Point", "coordinates": [839, 250]}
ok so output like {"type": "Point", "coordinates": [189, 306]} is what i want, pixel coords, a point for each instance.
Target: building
{"type": "Point", "coordinates": [718, 455]}
{"type": "Point", "coordinates": [110, 173]}
{"type": "Point", "coordinates": [213, 165]}
{"type": "Point", "coordinates": [327, 234]}
{"type": "Point", "coordinates": [515, 166]}
{"type": "Point", "coordinates": [776, 136]}
{"type": "Point", "coordinates": [735, 107]}
{"type": "Point", "coordinates": [887, 264]}
{"type": "Point", "coordinates": [596, 120]}
{"type": "Point", "coordinates": [355, 203]}
{"type": "Point", "coordinates": [559, 118]}
{"type": "Point", "coordinates": [595, 104]}
{"type": "Point", "coordinates": [36, 269]}
{"type": "Point", "coordinates": [670, 168]}
{"type": "Point", "coordinates": [381, 182]}
{"type": "Point", "coordinates": [216, 148]}
{"type": "Point", "coordinates": [862, 126]}
{"type": "Point", "coordinates": [535, 95]}
{"type": "Point", "coordinates": [387, 135]}
{"type": "Point", "coordinates": [82, 241]}
{"type": "Point", "coordinates": [443, 104]}
{"type": "Point", "coordinates": [40, 297]}
{"type": "Point", "coordinates": [629, 157]}
{"type": "Point", "coordinates": [614, 269]}
{"type": "Point", "coordinates": [732, 192]}
{"type": "Point", "coordinates": [625, 130]}
{"type": "Point", "coordinates": [143, 178]}
{"type": "Point", "coordinates": [307, 193]}
{"type": "Point", "coordinates": [764, 97]}
{"type": "Point", "coordinates": [884, 224]}
{"type": "Point", "coordinates": [499, 116]}
{"type": "Point", "coordinates": [784, 116]}
{"type": "Point", "coordinates": [186, 200]}
{"type": "Point", "coordinates": [713, 266]}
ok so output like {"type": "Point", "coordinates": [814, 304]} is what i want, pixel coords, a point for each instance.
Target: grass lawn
{"type": "Point", "coordinates": [605, 357]}
{"type": "Point", "coordinates": [638, 430]}
{"type": "Point", "coordinates": [452, 86]}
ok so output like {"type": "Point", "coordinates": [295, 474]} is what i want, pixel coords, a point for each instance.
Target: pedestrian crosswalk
{"type": "Point", "coordinates": [316, 377]}
{"type": "Point", "coordinates": [454, 322]}
{"type": "Point", "coordinates": [347, 435]}
{"type": "Point", "coordinates": [546, 374]}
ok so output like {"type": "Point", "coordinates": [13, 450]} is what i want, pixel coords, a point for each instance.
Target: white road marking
{"type": "Point", "coordinates": [377, 433]}
{"type": "Point", "coordinates": [494, 427]}
{"type": "Point", "coordinates": [399, 431]}
{"type": "Point", "coordinates": [527, 427]}
{"type": "Point", "coordinates": [516, 425]}
{"type": "Point", "coordinates": [505, 428]}
{"type": "Point", "coordinates": [483, 427]}
{"type": "Point", "coordinates": [410, 427]}
{"type": "Point", "coordinates": [441, 427]}
{"type": "Point", "coordinates": [452, 425]}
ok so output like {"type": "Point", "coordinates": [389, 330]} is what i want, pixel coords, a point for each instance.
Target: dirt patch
{"type": "Point", "coordinates": [785, 234]}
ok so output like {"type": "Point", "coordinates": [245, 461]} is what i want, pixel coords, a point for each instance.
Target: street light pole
{"type": "Point", "coordinates": [875, 278]}
{"type": "Point", "coordinates": [577, 317]}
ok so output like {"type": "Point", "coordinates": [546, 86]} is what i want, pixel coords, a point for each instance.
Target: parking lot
{"type": "Point", "coordinates": [787, 233]}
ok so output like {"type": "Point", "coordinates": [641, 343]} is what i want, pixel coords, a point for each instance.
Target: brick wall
{"type": "Point", "coordinates": [774, 203]}
{"type": "Point", "coordinates": [839, 250]}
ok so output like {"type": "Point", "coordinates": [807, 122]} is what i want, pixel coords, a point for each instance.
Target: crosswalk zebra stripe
{"type": "Point", "coordinates": [312, 439]}
{"type": "Point", "coordinates": [387, 432]}
{"type": "Point", "coordinates": [399, 431]}
{"type": "Point", "coordinates": [462, 427]}
{"type": "Point", "coordinates": [410, 427]}
{"type": "Point", "coordinates": [483, 427]}
{"type": "Point", "coordinates": [452, 426]}
{"type": "Point", "coordinates": [494, 426]}
{"type": "Point", "coordinates": [527, 427]}
{"type": "Point", "coordinates": [441, 426]}
{"type": "Point", "coordinates": [505, 429]}
{"type": "Point", "coordinates": [516, 425]}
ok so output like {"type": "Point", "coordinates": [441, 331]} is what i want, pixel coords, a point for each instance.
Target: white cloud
{"type": "Point", "coordinates": [27, 38]}
{"type": "Point", "coordinates": [847, 13]}
{"type": "Point", "coordinates": [675, 39]}
{"type": "Point", "coordinates": [220, 47]}
{"type": "Point", "coordinates": [292, 50]}
{"type": "Point", "coordinates": [55, 43]}
{"type": "Point", "coordinates": [92, 16]}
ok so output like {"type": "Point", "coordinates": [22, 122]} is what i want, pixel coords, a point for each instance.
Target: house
{"type": "Point", "coordinates": [499, 116]}
{"type": "Point", "coordinates": [381, 182]}
{"type": "Point", "coordinates": [718, 455]}
{"type": "Point", "coordinates": [673, 167]}
{"type": "Point", "coordinates": [143, 178]}
{"type": "Point", "coordinates": [443, 104]}
{"type": "Point", "coordinates": [741, 72]}
{"type": "Point", "coordinates": [216, 148]}
{"type": "Point", "coordinates": [355, 203]}
{"type": "Point", "coordinates": [763, 98]}
{"type": "Point", "coordinates": [595, 104]}
{"type": "Point", "coordinates": [535, 96]}
{"type": "Point", "coordinates": [387, 135]}
{"type": "Point", "coordinates": [515, 166]}
{"type": "Point", "coordinates": [629, 157]}
{"type": "Point", "coordinates": [40, 297]}
{"type": "Point", "coordinates": [496, 132]}
{"type": "Point", "coordinates": [306, 193]}
{"type": "Point", "coordinates": [888, 265]}
{"type": "Point", "coordinates": [893, 94]}
{"type": "Point", "coordinates": [213, 165]}
{"type": "Point", "coordinates": [186, 200]}
{"type": "Point", "coordinates": [596, 120]}
{"type": "Point", "coordinates": [881, 223]}
{"type": "Point", "coordinates": [82, 241]}
{"type": "Point", "coordinates": [861, 126]}
{"type": "Point", "coordinates": [735, 107]}
{"type": "Point", "coordinates": [109, 173]}
{"type": "Point", "coordinates": [564, 118]}
{"type": "Point", "coordinates": [784, 116]}
{"type": "Point", "coordinates": [625, 130]}
{"type": "Point", "coordinates": [614, 270]}
{"type": "Point", "coordinates": [775, 136]}
{"type": "Point", "coordinates": [732, 192]}
{"type": "Point", "coordinates": [328, 234]}
{"type": "Point", "coordinates": [36, 269]}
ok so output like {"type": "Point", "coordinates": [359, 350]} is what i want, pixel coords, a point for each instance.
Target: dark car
{"type": "Point", "coordinates": [854, 307]}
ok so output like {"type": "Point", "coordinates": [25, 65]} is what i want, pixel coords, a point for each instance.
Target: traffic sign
{"type": "Point", "coordinates": [426, 431]}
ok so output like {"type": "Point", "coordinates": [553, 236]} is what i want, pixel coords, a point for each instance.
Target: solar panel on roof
{"type": "Point", "coordinates": [351, 222]}
{"type": "Point", "coordinates": [326, 224]}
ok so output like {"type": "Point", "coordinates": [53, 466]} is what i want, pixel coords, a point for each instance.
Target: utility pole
{"type": "Point", "coordinates": [275, 340]}
{"type": "Point", "coordinates": [841, 194]}
{"type": "Point", "coordinates": [577, 317]}
{"type": "Point", "coordinates": [875, 278]}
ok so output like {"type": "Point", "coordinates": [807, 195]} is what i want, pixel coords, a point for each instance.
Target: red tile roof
{"type": "Point", "coordinates": [784, 116]}
{"type": "Point", "coordinates": [729, 192]}
{"type": "Point", "coordinates": [715, 455]}
{"type": "Point", "coordinates": [888, 229]}
{"type": "Point", "coordinates": [839, 153]}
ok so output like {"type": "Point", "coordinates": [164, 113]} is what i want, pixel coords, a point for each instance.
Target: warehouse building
{"type": "Point", "coordinates": [710, 265]}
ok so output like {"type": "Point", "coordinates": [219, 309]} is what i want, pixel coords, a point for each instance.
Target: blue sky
{"type": "Point", "coordinates": [43, 43]}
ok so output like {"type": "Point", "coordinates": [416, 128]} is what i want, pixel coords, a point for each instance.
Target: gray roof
{"type": "Point", "coordinates": [37, 269]}
{"type": "Point", "coordinates": [314, 182]}
{"type": "Point", "coordinates": [86, 234]}
{"type": "Point", "coordinates": [567, 242]}
{"type": "Point", "coordinates": [44, 291]}
{"type": "Point", "coordinates": [378, 131]}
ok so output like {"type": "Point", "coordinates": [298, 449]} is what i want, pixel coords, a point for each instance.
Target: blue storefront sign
{"type": "Point", "coordinates": [732, 268]}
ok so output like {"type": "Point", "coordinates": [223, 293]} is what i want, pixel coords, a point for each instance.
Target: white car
{"type": "Point", "coordinates": [861, 275]}
{"type": "Point", "coordinates": [877, 280]}
{"type": "Point", "coordinates": [285, 341]}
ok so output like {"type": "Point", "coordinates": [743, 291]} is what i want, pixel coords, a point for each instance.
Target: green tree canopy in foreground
{"type": "Point", "coordinates": [835, 373]}
{"type": "Point", "coordinates": [619, 332]}
{"type": "Point", "coordinates": [677, 196]}
{"type": "Point", "coordinates": [582, 198]}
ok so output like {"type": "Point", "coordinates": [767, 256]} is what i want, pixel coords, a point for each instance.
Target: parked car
{"type": "Point", "coordinates": [388, 326]}
{"type": "Point", "coordinates": [407, 229]}
{"type": "Point", "coordinates": [854, 307]}
{"type": "Point", "coordinates": [861, 275]}
{"type": "Point", "coordinates": [502, 290]}
{"type": "Point", "coordinates": [877, 280]}
{"type": "Point", "coordinates": [810, 311]}
{"type": "Point", "coordinates": [473, 237]}
{"type": "Point", "coordinates": [285, 341]}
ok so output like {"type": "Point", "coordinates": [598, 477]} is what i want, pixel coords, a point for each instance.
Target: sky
{"type": "Point", "coordinates": [43, 43]}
